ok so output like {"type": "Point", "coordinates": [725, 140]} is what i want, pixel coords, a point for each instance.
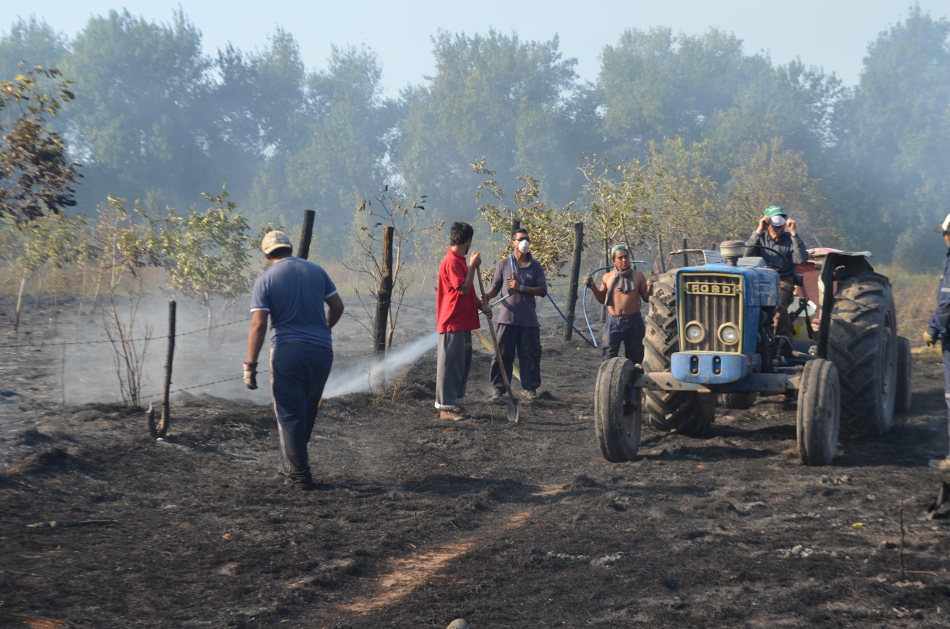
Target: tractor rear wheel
{"type": "Point", "coordinates": [863, 346]}
{"type": "Point", "coordinates": [903, 395]}
{"type": "Point", "coordinates": [818, 419]}
{"type": "Point", "coordinates": [618, 413]}
{"type": "Point", "coordinates": [686, 412]}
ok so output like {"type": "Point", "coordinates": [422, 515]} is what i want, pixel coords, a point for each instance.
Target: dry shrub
{"type": "Point", "coordinates": [915, 298]}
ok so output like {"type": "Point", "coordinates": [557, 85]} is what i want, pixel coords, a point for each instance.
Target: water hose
{"type": "Point", "coordinates": [511, 259]}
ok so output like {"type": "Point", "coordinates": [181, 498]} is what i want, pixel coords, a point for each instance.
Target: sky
{"type": "Point", "coordinates": [830, 34]}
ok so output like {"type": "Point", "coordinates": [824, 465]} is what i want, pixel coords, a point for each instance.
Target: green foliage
{"type": "Point", "coordinates": [35, 174]}
{"type": "Point", "coordinates": [142, 87]}
{"type": "Point", "coordinates": [895, 157]}
{"type": "Point", "coordinates": [619, 200]}
{"type": "Point", "coordinates": [31, 43]}
{"type": "Point", "coordinates": [655, 86]}
{"type": "Point", "coordinates": [342, 138]}
{"type": "Point", "coordinates": [768, 174]}
{"type": "Point", "coordinates": [491, 95]}
{"type": "Point", "coordinates": [54, 240]}
{"type": "Point", "coordinates": [157, 120]}
{"type": "Point", "coordinates": [205, 253]}
{"type": "Point", "coordinates": [551, 229]}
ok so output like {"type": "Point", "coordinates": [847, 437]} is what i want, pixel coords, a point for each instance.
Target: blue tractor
{"type": "Point", "coordinates": [709, 339]}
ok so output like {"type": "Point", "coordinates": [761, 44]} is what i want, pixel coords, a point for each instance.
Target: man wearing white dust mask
{"type": "Point", "coordinates": [776, 240]}
{"type": "Point", "coordinates": [518, 330]}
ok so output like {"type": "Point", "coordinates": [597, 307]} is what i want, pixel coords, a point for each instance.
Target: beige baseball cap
{"type": "Point", "coordinates": [275, 240]}
{"type": "Point", "coordinates": [943, 227]}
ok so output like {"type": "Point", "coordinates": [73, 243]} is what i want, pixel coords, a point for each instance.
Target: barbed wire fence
{"type": "Point", "coordinates": [556, 284]}
{"type": "Point", "coordinates": [25, 343]}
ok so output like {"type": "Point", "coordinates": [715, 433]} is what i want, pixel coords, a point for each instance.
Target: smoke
{"type": "Point", "coordinates": [366, 374]}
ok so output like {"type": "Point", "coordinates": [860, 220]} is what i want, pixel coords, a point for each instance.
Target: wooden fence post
{"type": "Point", "coordinates": [575, 274]}
{"type": "Point", "coordinates": [384, 296]}
{"type": "Point", "coordinates": [169, 357]}
{"type": "Point", "coordinates": [659, 246]}
{"type": "Point", "coordinates": [685, 255]}
{"type": "Point", "coordinates": [306, 234]}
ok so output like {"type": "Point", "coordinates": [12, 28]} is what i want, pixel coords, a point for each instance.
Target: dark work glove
{"type": "Point", "coordinates": [250, 375]}
{"type": "Point", "coordinates": [930, 340]}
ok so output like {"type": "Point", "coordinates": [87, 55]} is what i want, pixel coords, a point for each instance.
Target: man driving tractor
{"type": "Point", "coordinates": [776, 240]}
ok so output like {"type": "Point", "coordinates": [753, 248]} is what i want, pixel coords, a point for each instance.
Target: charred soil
{"type": "Point", "coordinates": [417, 521]}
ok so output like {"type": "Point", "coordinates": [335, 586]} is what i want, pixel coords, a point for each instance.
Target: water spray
{"type": "Point", "coordinates": [371, 372]}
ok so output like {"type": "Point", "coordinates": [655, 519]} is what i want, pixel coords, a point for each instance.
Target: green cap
{"type": "Point", "coordinates": [775, 210]}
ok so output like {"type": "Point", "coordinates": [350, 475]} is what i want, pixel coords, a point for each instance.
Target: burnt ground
{"type": "Point", "coordinates": [418, 521]}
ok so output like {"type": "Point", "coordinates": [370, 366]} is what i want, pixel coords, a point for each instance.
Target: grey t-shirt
{"type": "Point", "coordinates": [293, 290]}
{"type": "Point", "coordinates": [518, 309]}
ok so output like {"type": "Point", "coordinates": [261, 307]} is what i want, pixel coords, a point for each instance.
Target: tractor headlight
{"type": "Point", "coordinates": [695, 332]}
{"type": "Point", "coordinates": [728, 334]}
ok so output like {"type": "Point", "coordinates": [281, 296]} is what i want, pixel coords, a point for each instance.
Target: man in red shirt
{"type": "Point", "coordinates": [456, 316]}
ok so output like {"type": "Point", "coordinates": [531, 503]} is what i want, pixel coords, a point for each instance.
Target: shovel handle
{"type": "Point", "coordinates": [494, 341]}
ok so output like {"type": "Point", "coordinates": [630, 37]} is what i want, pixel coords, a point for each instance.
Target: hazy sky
{"type": "Point", "coordinates": [833, 34]}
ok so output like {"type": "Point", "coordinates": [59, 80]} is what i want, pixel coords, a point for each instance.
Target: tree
{"type": "Point", "coordinates": [495, 96]}
{"type": "Point", "coordinates": [205, 253]}
{"type": "Point", "coordinates": [35, 174]}
{"type": "Point", "coordinates": [619, 207]}
{"type": "Point", "coordinates": [550, 228]}
{"type": "Point", "coordinates": [895, 149]}
{"type": "Point", "coordinates": [656, 86]}
{"type": "Point", "coordinates": [141, 119]}
{"type": "Point", "coordinates": [125, 247]}
{"type": "Point", "coordinates": [768, 174]}
{"type": "Point", "coordinates": [32, 43]}
{"type": "Point", "coordinates": [28, 247]}
{"type": "Point", "coordinates": [341, 149]}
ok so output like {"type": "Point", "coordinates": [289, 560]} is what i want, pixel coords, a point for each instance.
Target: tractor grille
{"type": "Point", "coordinates": [712, 300]}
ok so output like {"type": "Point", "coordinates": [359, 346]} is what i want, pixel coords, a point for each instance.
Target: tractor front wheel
{"type": "Point", "coordinates": [618, 414]}
{"type": "Point", "coordinates": [819, 413]}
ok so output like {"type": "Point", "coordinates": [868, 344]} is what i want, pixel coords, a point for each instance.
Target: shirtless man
{"type": "Point", "coordinates": [622, 289]}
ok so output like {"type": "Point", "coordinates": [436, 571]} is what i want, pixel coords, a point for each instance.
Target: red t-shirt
{"type": "Point", "coordinates": [454, 312]}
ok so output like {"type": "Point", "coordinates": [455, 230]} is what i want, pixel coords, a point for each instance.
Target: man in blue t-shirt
{"type": "Point", "coordinates": [291, 292]}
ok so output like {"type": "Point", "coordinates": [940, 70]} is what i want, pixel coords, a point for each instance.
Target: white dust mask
{"type": "Point", "coordinates": [523, 246]}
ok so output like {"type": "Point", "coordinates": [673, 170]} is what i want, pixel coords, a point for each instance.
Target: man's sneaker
{"type": "Point", "coordinates": [939, 464]}
{"type": "Point", "coordinates": [498, 396]}
{"type": "Point", "coordinates": [530, 394]}
{"type": "Point", "coordinates": [455, 414]}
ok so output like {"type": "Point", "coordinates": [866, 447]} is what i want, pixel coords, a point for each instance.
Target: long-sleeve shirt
{"type": "Point", "coordinates": [791, 247]}
{"type": "Point", "coordinates": [940, 321]}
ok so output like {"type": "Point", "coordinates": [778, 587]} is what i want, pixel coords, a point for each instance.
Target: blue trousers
{"type": "Point", "coordinates": [298, 373]}
{"type": "Point", "coordinates": [627, 330]}
{"type": "Point", "coordinates": [527, 343]}
{"type": "Point", "coordinates": [946, 388]}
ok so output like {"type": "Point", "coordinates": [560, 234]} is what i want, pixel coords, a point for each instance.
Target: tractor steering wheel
{"type": "Point", "coordinates": [785, 261]}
